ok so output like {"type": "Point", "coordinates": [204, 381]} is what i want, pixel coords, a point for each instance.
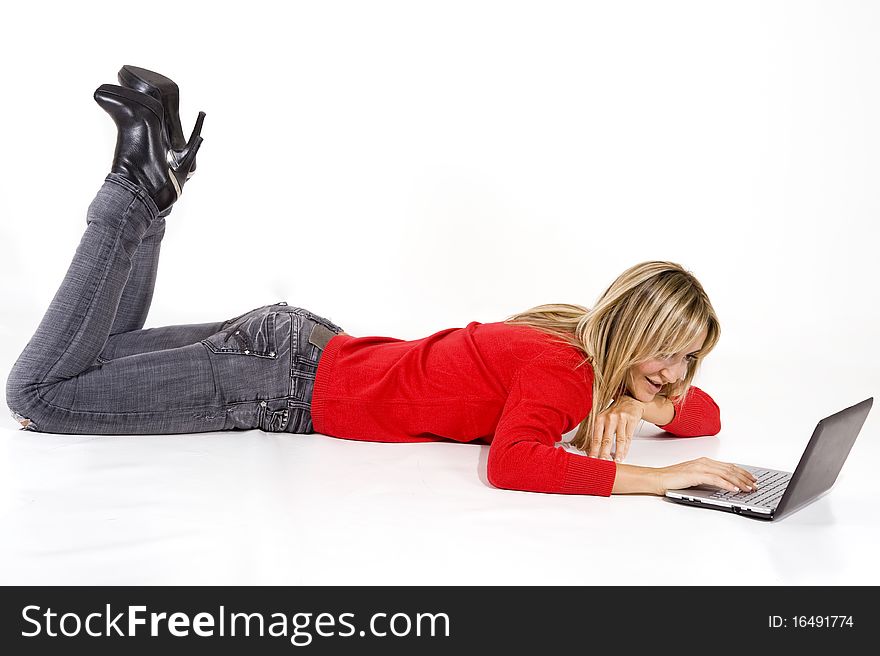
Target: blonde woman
{"type": "Point", "coordinates": [517, 385]}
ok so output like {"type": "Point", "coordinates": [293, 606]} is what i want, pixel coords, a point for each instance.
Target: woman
{"type": "Point", "coordinates": [517, 385]}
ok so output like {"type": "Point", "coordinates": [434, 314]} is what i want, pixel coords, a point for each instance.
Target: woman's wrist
{"type": "Point", "coordinates": [660, 411]}
{"type": "Point", "coordinates": [633, 479]}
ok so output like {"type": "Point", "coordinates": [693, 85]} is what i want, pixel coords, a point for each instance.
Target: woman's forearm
{"type": "Point", "coordinates": [632, 479]}
{"type": "Point", "coordinates": [659, 412]}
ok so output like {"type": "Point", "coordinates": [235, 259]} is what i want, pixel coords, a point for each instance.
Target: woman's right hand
{"type": "Point", "coordinates": [705, 471]}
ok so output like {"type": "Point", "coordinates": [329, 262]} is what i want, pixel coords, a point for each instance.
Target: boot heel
{"type": "Point", "coordinates": [197, 130]}
{"type": "Point", "coordinates": [181, 171]}
{"type": "Point", "coordinates": [189, 159]}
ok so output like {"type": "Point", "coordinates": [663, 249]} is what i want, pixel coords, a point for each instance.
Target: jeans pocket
{"type": "Point", "coordinates": [302, 378]}
{"type": "Point", "coordinates": [273, 420]}
{"type": "Point", "coordinates": [253, 335]}
{"type": "Point", "coordinates": [234, 320]}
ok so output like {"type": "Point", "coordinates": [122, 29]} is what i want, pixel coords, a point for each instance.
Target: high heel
{"type": "Point", "coordinates": [185, 153]}
{"type": "Point", "coordinates": [167, 92]}
{"type": "Point", "coordinates": [143, 148]}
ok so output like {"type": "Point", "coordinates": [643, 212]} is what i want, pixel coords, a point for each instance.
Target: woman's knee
{"type": "Point", "coordinates": [24, 399]}
{"type": "Point", "coordinates": [17, 400]}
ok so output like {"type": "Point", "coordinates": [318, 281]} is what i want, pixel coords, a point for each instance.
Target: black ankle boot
{"type": "Point", "coordinates": [143, 149]}
{"type": "Point", "coordinates": [165, 91]}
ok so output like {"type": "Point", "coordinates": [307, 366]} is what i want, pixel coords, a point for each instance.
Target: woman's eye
{"type": "Point", "coordinates": [690, 358]}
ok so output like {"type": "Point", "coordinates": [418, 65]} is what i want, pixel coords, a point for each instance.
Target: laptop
{"type": "Point", "coordinates": [780, 493]}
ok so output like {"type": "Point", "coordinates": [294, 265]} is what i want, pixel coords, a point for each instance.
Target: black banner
{"type": "Point", "coordinates": [430, 620]}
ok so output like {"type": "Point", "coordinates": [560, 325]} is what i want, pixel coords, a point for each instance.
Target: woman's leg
{"type": "Point", "coordinates": [161, 338]}
{"type": "Point", "coordinates": [60, 385]}
{"type": "Point", "coordinates": [134, 304]}
{"type": "Point", "coordinates": [127, 336]}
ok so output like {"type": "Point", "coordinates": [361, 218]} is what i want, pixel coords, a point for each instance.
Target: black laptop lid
{"type": "Point", "coordinates": [824, 457]}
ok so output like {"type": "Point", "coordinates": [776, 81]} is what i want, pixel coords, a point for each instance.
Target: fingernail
{"type": "Point", "coordinates": [617, 460]}
{"type": "Point", "coordinates": [736, 489]}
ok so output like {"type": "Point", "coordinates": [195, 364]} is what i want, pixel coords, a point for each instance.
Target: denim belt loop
{"type": "Point", "coordinates": [320, 335]}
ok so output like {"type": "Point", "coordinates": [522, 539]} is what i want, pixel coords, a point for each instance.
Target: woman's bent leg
{"type": "Point", "coordinates": [160, 338]}
{"type": "Point", "coordinates": [134, 304]}
{"type": "Point", "coordinates": [168, 391]}
{"type": "Point", "coordinates": [127, 334]}
{"type": "Point", "coordinates": [52, 385]}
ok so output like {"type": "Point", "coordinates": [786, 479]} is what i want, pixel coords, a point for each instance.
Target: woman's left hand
{"type": "Point", "coordinates": [620, 419]}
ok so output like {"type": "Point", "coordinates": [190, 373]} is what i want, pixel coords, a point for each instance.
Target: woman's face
{"type": "Point", "coordinates": [661, 371]}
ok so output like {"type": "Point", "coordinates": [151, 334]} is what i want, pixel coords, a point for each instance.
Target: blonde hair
{"type": "Point", "coordinates": [652, 310]}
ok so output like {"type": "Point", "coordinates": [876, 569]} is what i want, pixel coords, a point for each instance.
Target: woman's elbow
{"type": "Point", "coordinates": [497, 476]}
{"type": "Point", "coordinates": [500, 474]}
{"type": "Point", "coordinates": [714, 427]}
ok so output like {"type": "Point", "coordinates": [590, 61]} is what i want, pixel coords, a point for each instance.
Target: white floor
{"type": "Point", "coordinates": [254, 508]}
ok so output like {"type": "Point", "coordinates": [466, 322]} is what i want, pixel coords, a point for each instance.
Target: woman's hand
{"type": "Point", "coordinates": [705, 471]}
{"type": "Point", "coordinates": [620, 419]}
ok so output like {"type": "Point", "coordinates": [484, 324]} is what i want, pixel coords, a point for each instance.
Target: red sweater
{"type": "Point", "coordinates": [500, 384]}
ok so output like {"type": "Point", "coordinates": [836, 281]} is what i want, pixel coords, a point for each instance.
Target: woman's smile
{"type": "Point", "coordinates": [654, 389]}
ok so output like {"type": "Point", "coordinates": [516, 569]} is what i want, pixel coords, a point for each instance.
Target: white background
{"type": "Point", "coordinates": [405, 167]}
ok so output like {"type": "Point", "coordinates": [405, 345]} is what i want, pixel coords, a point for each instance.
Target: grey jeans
{"type": "Point", "coordinates": [91, 367]}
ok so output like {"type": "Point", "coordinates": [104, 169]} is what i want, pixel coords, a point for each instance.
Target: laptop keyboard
{"type": "Point", "coordinates": [771, 486]}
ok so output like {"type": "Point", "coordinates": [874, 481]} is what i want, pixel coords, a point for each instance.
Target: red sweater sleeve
{"type": "Point", "coordinates": [696, 414]}
{"type": "Point", "coordinates": [547, 398]}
